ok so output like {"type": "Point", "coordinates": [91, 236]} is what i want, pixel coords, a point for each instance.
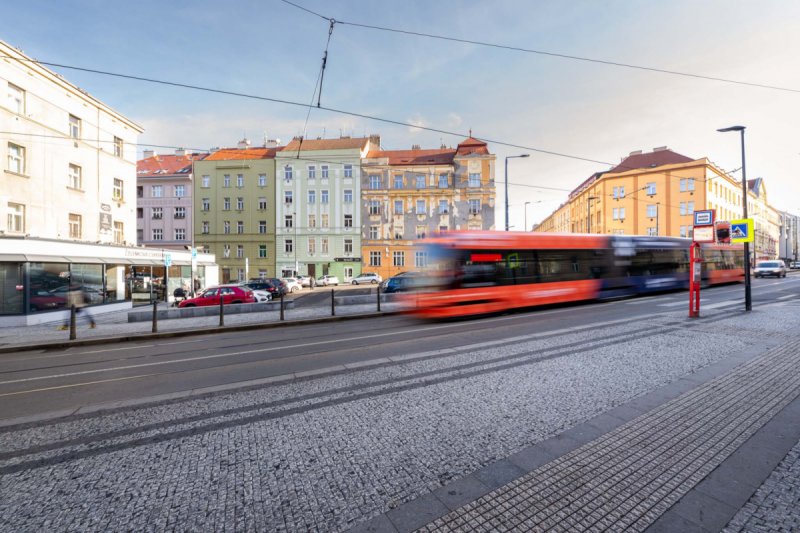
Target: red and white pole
{"type": "Point", "coordinates": [695, 276]}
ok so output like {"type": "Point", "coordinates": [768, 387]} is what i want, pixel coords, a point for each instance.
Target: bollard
{"type": "Point", "coordinates": [281, 306]}
{"type": "Point", "coordinates": [379, 297]}
{"type": "Point", "coordinates": [333, 305]}
{"type": "Point", "coordinates": [221, 312]}
{"type": "Point", "coordinates": [72, 323]}
{"type": "Point", "coordinates": [155, 317]}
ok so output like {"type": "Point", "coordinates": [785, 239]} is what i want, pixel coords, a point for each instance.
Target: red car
{"type": "Point", "coordinates": [231, 294]}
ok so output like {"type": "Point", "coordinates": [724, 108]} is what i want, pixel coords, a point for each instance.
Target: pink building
{"type": "Point", "coordinates": [164, 199]}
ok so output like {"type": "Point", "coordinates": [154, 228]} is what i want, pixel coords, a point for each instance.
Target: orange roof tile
{"type": "Point", "coordinates": [650, 160]}
{"type": "Point", "coordinates": [326, 144]}
{"type": "Point", "coordinates": [167, 165]}
{"type": "Point", "coordinates": [471, 145]}
{"type": "Point", "coordinates": [415, 157]}
{"type": "Point", "coordinates": [228, 154]}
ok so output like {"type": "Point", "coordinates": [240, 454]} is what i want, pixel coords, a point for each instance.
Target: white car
{"type": "Point", "coordinates": [305, 281]}
{"type": "Point", "coordinates": [262, 296]}
{"type": "Point", "coordinates": [327, 280]}
{"type": "Point", "coordinates": [292, 284]}
{"type": "Point", "coordinates": [367, 277]}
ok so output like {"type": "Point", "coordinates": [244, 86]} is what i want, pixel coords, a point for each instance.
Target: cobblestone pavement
{"type": "Point", "coordinates": [331, 451]}
{"type": "Point", "coordinates": [776, 504]}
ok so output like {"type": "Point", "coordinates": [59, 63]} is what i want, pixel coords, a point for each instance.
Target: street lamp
{"type": "Point", "coordinates": [748, 305]}
{"type": "Point", "coordinates": [525, 207]}
{"type": "Point", "coordinates": [589, 213]}
{"type": "Point", "coordinates": [507, 158]}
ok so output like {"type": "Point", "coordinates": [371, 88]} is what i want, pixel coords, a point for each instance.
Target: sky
{"type": "Point", "coordinates": [537, 102]}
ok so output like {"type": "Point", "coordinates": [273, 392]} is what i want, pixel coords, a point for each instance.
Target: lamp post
{"type": "Point", "coordinates": [507, 158]}
{"type": "Point", "coordinates": [589, 212]}
{"type": "Point", "coordinates": [748, 305]}
{"type": "Point", "coordinates": [525, 207]}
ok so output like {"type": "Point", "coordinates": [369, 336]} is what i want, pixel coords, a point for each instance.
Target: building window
{"type": "Point", "coordinates": [420, 207]}
{"type": "Point", "coordinates": [16, 218]}
{"type": "Point", "coordinates": [226, 226]}
{"type": "Point", "coordinates": [118, 147]}
{"type": "Point", "coordinates": [226, 180]}
{"type": "Point", "coordinates": [474, 207]}
{"type": "Point", "coordinates": [348, 246]}
{"type": "Point", "coordinates": [348, 221]}
{"type": "Point", "coordinates": [240, 251]}
{"type": "Point", "coordinates": [689, 208]}
{"type": "Point", "coordinates": [443, 181]}
{"type": "Point", "coordinates": [206, 204]}
{"type": "Point", "coordinates": [180, 191]}
{"type": "Point", "coordinates": [240, 203]}
{"type": "Point", "coordinates": [442, 228]}
{"type": "Point", "coordinates": [312, 220]}
{"type": "Point", "coordinates": [398, 233]}
{"type": "Point", "coordinates": [75, 226]}
{"type": "Point", "coordinates": [443, 207]}
{"type": "Point", "coordinates": [75, 177]}
{"type": "Point", "coordinates": [474, 180]}
{"type": "Point", "coordinates": [288, 197]}
{"type": "Point", "coordinates": [158, 234]}
{"type": "Point", "coordinates": [180, 234]}
{"type": "Point", "coordinates": [312, 172]}
{"type": "Point", "coordinates": [324, 169]}
{"type": "Point", "coordinates": [348, 196]}
{"type": "Point", "coordinates": [240, 274]}
{"type": "Point", "coordinates": [652, 210]}
{"type": "Point", "coordinates": [74, 127]}
{"type": "Point", "coordinates": [651, 232]}
{"type": "Point", "coordinates": [651, 188]}
{"type": "Point", "coordinates": [139, 191]}
{"type": "Point", "coordinates": [687, 184]}
{"type": "Point", "coordinates": [157, 213]}
{"type": "Point", "coordinates": [288, 246]}
{"type": "Point", "coordinates": [374, 181]}
{"type": "Point", "coordinates": [16, 158]}
{"type": "Point", "coordinates": [421, 232]}
{"type": "Point", "coordinates": [117, 190]}
{"type": "Point", "coordinates": [374, 207]}
{"type": "Point", "coordinates": [205, 227]}
{"type": "Point", "coordinates": [262, 203]}
{"type": "Point", "coordinates": [420, 179]}
{"type": "Point", "coordinates": [262, 180]}
{"type": "Point", "coordinates": [622, 213]}
{"type": "Point", "coordinates": [288, 221]}
{"type": "Point", "coordinates": [323, 196]}
{"type": "Point", "coordinates": [226, 204]}
{"type": "Point", "coordinates": [262, 251]}
{"type": "Point", "coordinates": [140, 212]}
{"type": "Point", "coordinates": [312, 197]}
{"type": "Point", "coordinates": [119, 233]}
{"type": "Point", "coordinates": [615, 213]}
{"type": "Point", "coordinates": [374, 259]}
{"type": "Point", "coordinates": [373, 232]}
{"type": "Point", "coordinates": [312, 245]}
{"type": "Point", "coordinates": [240, 180]}
{"type": "Point", "coordinates": [398, 181]}
{"type": "Point", "coordinates": [420, 259]}
{"type": "Point", "coordinates": [348, 171]}
{"type": "Point", "coordinates": [398, 207]}
{"type": "Point", "coordinates": [206, 182]}
{"type": "Point", "coordinates": [324, 245]}
{"type": "Point", "coordinates": [287, 173]}
{"type": "Point", "coordinates": [262, 226]}
{"type": "Point", "coordinates": [16, 99]}
{"type": "Point", "coordinates": [324, 220]}
{"type": "Point", "coordinates": [226, 250]}
{"type": "Point", "coordinates": [683, 208]}
{"type": "Point", "coordinates": [240, 227]}
{"type": "Point", "coordinates": [156, 191]}
{"type": "Point", "coordinates": [398, 259]}
{"type": "Point", "coordinates": [180, 212]}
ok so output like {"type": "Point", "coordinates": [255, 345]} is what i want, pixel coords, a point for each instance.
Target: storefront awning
{"type": "Point", "coordinates": [86, 260]}
{"type": "Point", "coordinates": [33, 258]}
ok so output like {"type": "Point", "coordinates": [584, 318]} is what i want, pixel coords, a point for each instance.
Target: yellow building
{"type": "Point", "coordinates": [657, 193]}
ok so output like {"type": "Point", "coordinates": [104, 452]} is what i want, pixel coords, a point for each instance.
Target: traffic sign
{"type": "Point", "coordinates": [704, 217]}
{"type": "Point", "coordinates": [703, 234]}
{"type": "Point", "coordinates": [167, 260]}
{"type": "Point", "coordinates": [194, 252]}
{"type": "Point", "coordinates": [742, 230]}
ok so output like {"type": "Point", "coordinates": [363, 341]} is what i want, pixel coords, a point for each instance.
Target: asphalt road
{"type": "Point", "coordinates": [33, 383]}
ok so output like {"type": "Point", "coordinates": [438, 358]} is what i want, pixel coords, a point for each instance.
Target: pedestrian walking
{"type": "Point", "coordinates": [78, 297]}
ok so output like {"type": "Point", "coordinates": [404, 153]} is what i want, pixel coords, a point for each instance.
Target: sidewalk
{"type": "Point", "coordinates": [717, 448]}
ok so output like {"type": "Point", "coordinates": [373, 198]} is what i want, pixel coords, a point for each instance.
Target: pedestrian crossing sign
{"type": "Point", "coordinates": [742, 230]}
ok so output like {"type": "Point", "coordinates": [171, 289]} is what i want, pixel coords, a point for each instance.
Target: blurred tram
{"type": "Point", "coordinates": [480, 272]}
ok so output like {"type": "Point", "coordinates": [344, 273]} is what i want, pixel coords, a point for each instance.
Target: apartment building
{"type": "Point", "coordinates": [164, 199]}
{"type": "Point", "coordinates": [234, 204]}
{"type": "Point", "coordinates": [408, 195]}
{"type": "Point", "coordinates": [318, 198]}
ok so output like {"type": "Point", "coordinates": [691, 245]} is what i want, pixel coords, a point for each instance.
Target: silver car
{"type": "Point", "coordinates": [770, 268]}
{"type": "Point", "coordinates": [327, 280]}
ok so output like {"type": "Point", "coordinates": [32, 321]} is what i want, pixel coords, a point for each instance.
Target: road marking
{"type": "Point", "coordinates": [785, 297]}
{"type": "Point", "coordinates": [720, 304]}
{"type": "Point", "coordinates": [44, 389]}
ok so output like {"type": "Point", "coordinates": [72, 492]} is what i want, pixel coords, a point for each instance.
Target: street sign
{"type": "Point", "coordinates": [703, 234]}
{"type": "Point", "coordinates": [704, 217]}
{"type": "Point", "coordinates": [742, 230]}
{"type": "Point", "coordinates": [194, 252]}
{"type": "Point", "coordinates": [167, 260]}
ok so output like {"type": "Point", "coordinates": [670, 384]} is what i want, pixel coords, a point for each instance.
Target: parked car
{"type": "Point", "coordinates": [403, 283]}
{"type": "Point", "coordinates": [305, 281]}
{"type": "Point", "coordinates": [327, 280]}
{"type": "Point", "coordinates": [273, 285]}
{"type": "Point", "coordinates": [406, 274]}
{"type": "Point", "coordinates": [231, 294]}
{"type": "Point", "coordinates": [292, 284]}
{"type": "Point", "coordinates": [794, 265]}
{"type": "Point", "coordinates": [367, 277]}
{"type": "Point", "coordinates": [770, 268]}
{"type": "Point", "coordinates": [262, 296]}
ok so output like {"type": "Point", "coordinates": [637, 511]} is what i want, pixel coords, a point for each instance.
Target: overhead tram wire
{"type": "Point", "coordinates": [550, 54]}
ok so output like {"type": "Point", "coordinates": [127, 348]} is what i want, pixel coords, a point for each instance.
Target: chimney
{"type": "Point", "coordinates": [180, 151]}
{"type": "Point", "coordinates": [148, 153]}
{"type": "Point", "coordinates": [415, 147]}
{"type": "Point", "coordinates": [244, 144]}
{"type": "Point", "coordinates": [660, 149]}
{"type": "Point", "coordinates": [635, 152]}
